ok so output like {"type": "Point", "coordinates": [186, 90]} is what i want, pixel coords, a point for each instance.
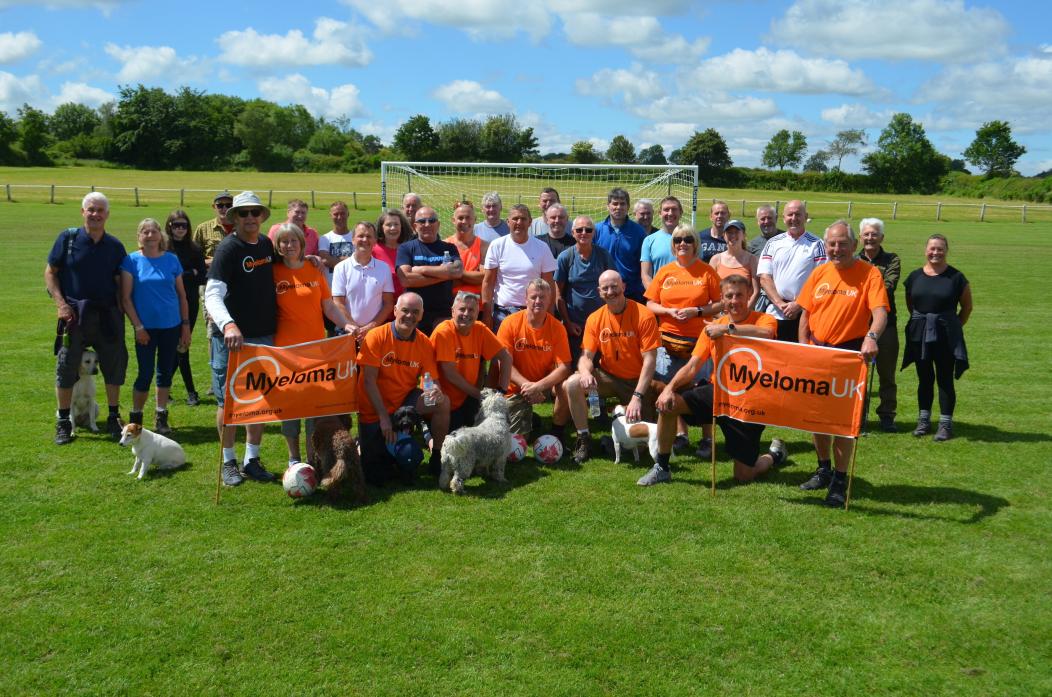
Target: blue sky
{"type": "Point", "coordinates": [572, 69]}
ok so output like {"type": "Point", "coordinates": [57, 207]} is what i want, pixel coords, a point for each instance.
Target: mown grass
{"type": "Point", "coordinates": [565, 581]}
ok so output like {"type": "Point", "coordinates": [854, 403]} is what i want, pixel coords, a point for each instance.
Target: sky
{"type": "Point", "coordinates": [654, 71]}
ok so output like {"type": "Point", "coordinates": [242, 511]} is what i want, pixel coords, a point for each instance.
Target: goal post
{"type": "Point", "coordinates": [582, 188]}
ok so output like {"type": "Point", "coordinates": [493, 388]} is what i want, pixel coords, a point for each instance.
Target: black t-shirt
{"type": "Point", "coordinates": [935, 294]}
{"type": "Point", "coordinates": [249, 276]}
{"type": "Point", "coordinates": [437, 297]}
{"type": "Point", "coordinates": [557, 245]}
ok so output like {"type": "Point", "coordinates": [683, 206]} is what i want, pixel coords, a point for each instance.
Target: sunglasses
{"type": "Point", "coordinates": [179, 223]}
{"type": "Point", "coordinates": [245, 212]}
{"type": "Point", "coordinates": [682, 240]}
{"type": "Point", "coordinates": [422, 221]}
{"type": "Point", "coordinates": [223, 205]}
{"type": "Point", "coordinates": [584, 229]}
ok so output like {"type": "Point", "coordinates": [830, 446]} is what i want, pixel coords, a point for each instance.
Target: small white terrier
{"type": "Point", "coordinates": [631, 436]}
{"type": "Point", "coordinates": [151, 449]}
{"type": "Point", "coordinates": [83, 409]}
{"type": "Point", "coordinates": [479, 449]}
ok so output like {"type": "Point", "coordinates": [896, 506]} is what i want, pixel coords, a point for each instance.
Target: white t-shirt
{"type": "Point", "coordinates": [789, 262]}
{"type": "Point", "coordinates": [337, 245]}
{"type": "Point", "coordinates": [362, 287]}
{"type": "Point", "coordinates": [517, 265]}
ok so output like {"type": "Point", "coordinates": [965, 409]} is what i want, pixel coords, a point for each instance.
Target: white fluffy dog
{"type": "Point", "coordinates": [83, 409]}
{"type": "Point", "coordinates": [479, 449]}
{"type": "Point", "coordinates": [151, 449]}
{"type": "Point", "coordinates": [631, 436]}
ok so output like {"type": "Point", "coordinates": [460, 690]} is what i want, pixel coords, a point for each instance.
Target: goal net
{"type": "Point", "coordinates": [582, 188]}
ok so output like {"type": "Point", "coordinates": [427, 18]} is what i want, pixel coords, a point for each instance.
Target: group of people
{"type": "Point", "coordinates": [544, 310]}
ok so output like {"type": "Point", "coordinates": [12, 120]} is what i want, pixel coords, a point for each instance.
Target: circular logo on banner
{"type": "Point", "coordinates": [719, 369]}
{"type": "Point", "coordinates": [241, 368]}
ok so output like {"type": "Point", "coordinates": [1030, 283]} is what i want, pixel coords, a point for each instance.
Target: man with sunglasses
{"type": "Point", "coordinates": [577, 272]}
{"type": "Point", "coordinates": [210, 233]}
{"type": "Point", "coordinates": [429, 266]}
{"type": "Point", "coordinates": [242, 306]}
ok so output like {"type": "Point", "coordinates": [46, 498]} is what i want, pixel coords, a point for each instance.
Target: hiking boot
{"type": "Point", "coordinates": [230, 473]}
{"type": "Point", "coordinates": [778, 451]}
{"type": "Point", "coordinates": [704, 450]}
{"type": "Point", "coordinates": [837, 495]}
{"type": "Point", "coordinates": [819, 480]}
{"type": "Point", "coordinates": [582, 448]}
{"type": "Point", "coordinates": [923, 428]}
{"type": "Point", "coordinates": [656, 475]}
{"type": "Point", "coordinates": [681, 443]}
{"type": "Point", "coordinates": [192, 399]}
{"type": "Point", "coordinates": [887, 424]}
{"type": "Point", "coordinates": [254, 470]}
{"type": "Point", "coordinates": [113, 426]}
{"type": "Point", "coordinates": [63, 432]}
{"type": "Point", "coordinates": [161, 423]}
{"type": "Point", "coordinates": [943, 433]}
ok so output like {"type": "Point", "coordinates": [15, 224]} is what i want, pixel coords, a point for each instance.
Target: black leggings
{"type": "Point", "coordinates": [938, 367]}
{"type": "Point", "coordinates": [194, 306]}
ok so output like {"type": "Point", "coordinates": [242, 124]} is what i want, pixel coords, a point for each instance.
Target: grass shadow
{"type": "Point", "coordinates": [520, 476]}
{"type": "Point", "coordinates": [985, 433]}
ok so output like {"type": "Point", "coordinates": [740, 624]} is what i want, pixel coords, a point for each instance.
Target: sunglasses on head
{"type": "Point", "coordinates": [682, 240]}
{"type": "Point", "coordinates": [245, 212]}
{"type": "Point", "coordinates": [584, 229]}
{"type": "Point", "coordinates": [427, 220]}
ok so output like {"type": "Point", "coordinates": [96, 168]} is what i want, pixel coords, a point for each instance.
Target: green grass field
{"type": "Point", "coordinates": [568, 580]}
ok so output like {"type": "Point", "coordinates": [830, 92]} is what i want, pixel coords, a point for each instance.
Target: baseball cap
{"type": "Point", "coordinates": [735, 223]}
{"type": "Point", "coordinates": [222, 195]}
{"type": "Point", "coordinates": [406, 452]}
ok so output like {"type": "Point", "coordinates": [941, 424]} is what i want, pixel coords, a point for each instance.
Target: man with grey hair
{"type": "Point", "coordinates": [871, 234]}
{"type": "Point", "coordinates": [557, 236]}
{"type": "Point", "coordinates": [82, 277]}
{"type": "Point", "coordinates": [411, 203]}
{"type": "Point", "coordinates": [643, 212]}
{"type": "Point", "coordinates": [539, 226]}
{"type": "Point", "coordinates": [767, 222]}
{"type": "Point", "coordinates": [493, 226]}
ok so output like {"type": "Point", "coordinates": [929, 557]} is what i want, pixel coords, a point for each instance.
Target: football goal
{"type": "Point", "coordinates": [582, 188]}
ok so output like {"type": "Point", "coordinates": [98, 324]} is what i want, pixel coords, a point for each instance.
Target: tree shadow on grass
{"type": "Point", "coordinates": [985, 433]}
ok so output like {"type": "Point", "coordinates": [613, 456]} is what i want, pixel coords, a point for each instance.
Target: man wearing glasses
{"type": "Point", "coordinates": [210, 233]}
{"type": "Point", "coordinates": [242, 305]}
{"type": "Point", "coordinates": [429, 266]}
{"type": "Point", "coordinates": [577, 272]}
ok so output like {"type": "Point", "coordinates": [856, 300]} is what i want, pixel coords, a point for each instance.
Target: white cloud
{"type": "Point", "coordinates": [643, 36]}
{"type": "Point", "coordinates": [892, 29]}
{"type": "Point", "coordinates": [470, 97]}
{"type": "Point", "coordinates": [717, 107]}
{"type": "Point", "coordinates": [81, 93]}
{"type": "Point", "coordinates": [344, 100]}
{"type": "Point", "coordinates": [148, 64]}
{"type": "Point", "coordinates": [333, 43]}
{"type": "Point", "coordinates": [671, 134]}
{"type": "Point", "coordinates": [15, 47]}
{"type": "Point", "coordinates": [1046, 48]}
{"type": "Point", "coordinates": [104, 6]}
{"type": "Point", "coordinates": [481, 19]}
{"type": "Point", "coordinates": [777, 71]}
{"type": "Point", "coordinates": [856, 116]}
{"type": "Point", "coordinates": [635, 86]}
{"type": "Point", "coordinates": [16, 91]}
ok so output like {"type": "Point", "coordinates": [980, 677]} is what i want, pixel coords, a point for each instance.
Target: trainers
{"type": "Point", "coordinates": [230, 473]}
{"type": "Point", "coordinates": [656, 475]}
{"type": "Point", "coordinates": [63, 432]}
{"type": "Point", "coordinates": [837, 495]}
{"type": "Point", "coordinates": [681, 443]}
{"type": "Point", "coordinates": [113, 426]}
{"type": "Point", "coordinates": [778, 451]}
{"type": "Point", "coordinates": [161, 424]}
{"type": "Point", "coordinates": [943, 433]}
{"type": "Point", "coordinates": [192, 399]}
{"type": "Point", "coordinates": [254, 470]}
{"type": "Point", "coordinates": [923, 428]}
{"type": "Point", "coordinates": [887, 424]}
{"type": "Point", "coordinates": [819, 480]}
{"type": "Point", "coordinates": [582, 448]}
{"type": "Point", "coordinates": [704, 450]}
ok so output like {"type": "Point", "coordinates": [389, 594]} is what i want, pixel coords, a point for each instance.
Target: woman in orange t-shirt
{"type": "Point", "coordinates": [737, 260]}
{"type": "Point", "coordinates": [303, 295]}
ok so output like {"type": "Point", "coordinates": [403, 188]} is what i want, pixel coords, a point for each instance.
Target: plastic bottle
{"type": "Point", "coordinates": [593, 404]}
{"type": "Point", "coordinates": [663, 361]}
{"type": "Point", "coordinates": [429, 390]}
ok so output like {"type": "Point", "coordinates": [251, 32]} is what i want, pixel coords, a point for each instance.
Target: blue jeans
{"type": "Point", "coordinates": [160, 349]}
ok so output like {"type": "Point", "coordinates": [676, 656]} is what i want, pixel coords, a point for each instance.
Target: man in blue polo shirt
{"type": "Point", "coordinates": [83, 279]}
{"type": "Point", "coordinates": [623, 238]}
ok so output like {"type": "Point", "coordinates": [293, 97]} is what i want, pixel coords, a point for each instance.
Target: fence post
{"type": "Point", "coordinates": [743, 208]}
{"type": "Point", "coordinates": [182, 198]}
{"type": "Point", "coordinates": [1024, 205]}
{"type": "Point", "coordinates": [850, 204]}
{"type": "Point", "coordinates": [895, 210]}
{"type": "Point", "coordinates": [8, 187]}
{"type": "Point", "coordinates": [312, 203]}
{"type": "Point", "coordinates": [777, 205]}
{"type": "Point", "coordinates": [136, 197]}
{"type": "Point", "coordinates": [270, 199]}
{"type": "Point", "coordinates": [354, 197]}
{"type": "Point", "coordinates": [938, 211]}
{"type": "Point", "coordinates": [573, 206]}
{"type": "Point", "coordinates": [92, 188]}
{"type": "Point", "coordinates": [52, 194]}
{"type": "Point", "coordinates": [982, 213]}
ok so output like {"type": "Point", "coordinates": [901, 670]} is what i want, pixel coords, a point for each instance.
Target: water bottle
{"type": "Point", "coordinates": [446, 259]}
{"type": "Point", "coordinates": [429, 389]}
{"type": "Point", "coordinates": [593, 404]}
{"type": "Point", "coordinates": [663, 361]}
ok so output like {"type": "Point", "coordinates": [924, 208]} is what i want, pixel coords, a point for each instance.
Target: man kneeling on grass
{"type": "Point", "coordinates": [695, 404]}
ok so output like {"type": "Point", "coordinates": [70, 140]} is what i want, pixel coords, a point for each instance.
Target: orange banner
{"type": "Point", "coordinates": [268, 383]}
{"type": "Point", "coordinates": [810, 388]}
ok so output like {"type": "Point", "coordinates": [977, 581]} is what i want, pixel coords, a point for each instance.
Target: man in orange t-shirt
{"type": "Point", "coordinates": [843, 305]}
{"type": "Point", "coordinates": [625, 336]}
{"type": "Point", "coordinates": [695, 404]}
{"type": "Point", "coordinates": [461, 344]}
{"type": "Point", "coordinates": [406, 355]}
{"type": "Point", "coordinates": [540, 358]}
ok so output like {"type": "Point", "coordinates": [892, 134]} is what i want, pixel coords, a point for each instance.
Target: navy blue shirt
{"type": "Point", "coordinates": [88, 270]}
{"type": "Point", "coordinates": [710, 246]}
{"type": "Point", "coordinates": [437, 297]}
{"type": "Point", "coordinates": [625, 246]}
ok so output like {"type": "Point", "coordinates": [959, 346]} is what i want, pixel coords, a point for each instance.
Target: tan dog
{"type": "Point", "coordinates": [151, 449]}
{"type": "Point", "coordinates": [83, 409]}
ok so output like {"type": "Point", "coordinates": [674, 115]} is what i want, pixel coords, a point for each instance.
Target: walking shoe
{"type": "Point", "coordinates": [923, 428]}
{"type": "Point", "coordinates": [819, 480]}
{"type": "Point", "coordinates": [887, 424]}
{"type": "Point", "coordinates": [254, 470]}
{"type": "Point", "coordinates": [113, 426]}
{"type": "Point", "coordinates": [942, 433]}
{"type": "Point", "coordinates": [582, 448]}
{"type": "Point", "coordinates": [192, 399]}
{"type": "Point", "coordinates": [161, 423]}
{"type": "Point", "coordinates": [778, 451]}
{"type": "Point", "coordinates": [230, 473]}
{"type": "Point", "coordinates": [681, 443]}
{"type": "Point", "coordinates": [837, 495]}
{"type": "Point", "coordinates": [656, 475]}
{"type": "Point", "coordinates": [704, 450]}
{"type": "Point", "coordinates": [63, 432]}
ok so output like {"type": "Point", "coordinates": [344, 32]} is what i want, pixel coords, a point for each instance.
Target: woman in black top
{"type": "Point", "coordinates": [177, 230]}
{"type": "Point", "coordinates": [935, 335]}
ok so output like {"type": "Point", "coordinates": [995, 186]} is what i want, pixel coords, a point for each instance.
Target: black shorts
{"type": "Point", "coordinates": [789, 329]}
{"type": "Point", "coordinates": [742, 439]}
{"type": "Point", "coordinates": [464, 415]}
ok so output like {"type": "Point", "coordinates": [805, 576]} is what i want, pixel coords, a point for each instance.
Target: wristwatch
{"type": "Point", "coordinates": [872, 335]}
{"type": "Point", "coordinates": [730, 327]}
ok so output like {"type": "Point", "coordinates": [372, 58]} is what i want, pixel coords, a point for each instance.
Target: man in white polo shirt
{"type": "Point", "coordinates": [785, 264]}
{"type": "Point", "coordinates": [363, 284]}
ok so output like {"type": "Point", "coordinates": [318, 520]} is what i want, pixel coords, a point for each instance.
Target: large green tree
{"type": "Point", "coordinates": [993, 149]}
{"type": "Point", "coordinates": [583, 153]}
{"type": "Point", "coordinates": [8, 136]}
{"type": "Point", "coordinates": [142, 126]}
{"type": "Point", "coordinates": [34, 135]}
{"type": "Point", "coordinates": [818, 162]}
{"type": "Point", "coordinates": [846, 143]}
{"type": "Point", "coordinates": [785, 149]}
{"type": "Point", "coordinates": [621, 151]}
{"type": "Point", "coordinates": [905, 161]}
{"type": "Point", "coordinates": [504, 140]}
{"type": "Point", "coordinates": [416, 139]}
{"type": "Point", "coordinates": [707, 150]}
{"type": "Point", "coordinates": [71, 119]}
{"type": "Point", "coordinates": [459, 140]}
{"type": "Point", "coordinates": [654, 155]}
